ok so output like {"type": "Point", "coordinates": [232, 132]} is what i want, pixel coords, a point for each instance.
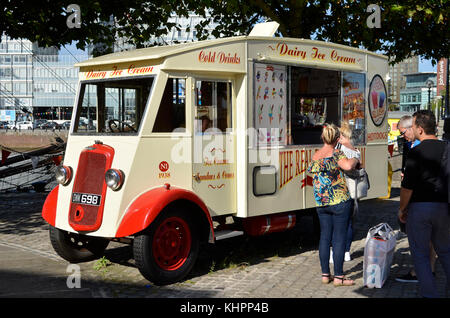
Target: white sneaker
{"type": "Point", "coordinates": [347, 257]}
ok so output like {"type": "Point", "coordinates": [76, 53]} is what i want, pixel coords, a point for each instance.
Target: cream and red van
{"type": "Point", "coordinates": [171, 146]}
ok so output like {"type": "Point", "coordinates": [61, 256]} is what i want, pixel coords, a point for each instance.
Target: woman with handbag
{"type": "Point", "coordinates": [346, 146]}
{"type": "Point", "coordinates": [333, 203]}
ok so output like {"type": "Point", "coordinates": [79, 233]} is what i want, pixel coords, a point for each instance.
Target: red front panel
{"type": "Point", "coordinates": [89, 189]}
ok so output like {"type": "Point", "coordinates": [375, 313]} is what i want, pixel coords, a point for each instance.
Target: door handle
{"type": "Point", "coordinates": [196, 177]}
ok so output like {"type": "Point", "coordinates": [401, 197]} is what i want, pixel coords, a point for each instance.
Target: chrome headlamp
{"type": "Point", "coordinates": [114, 179]}
{"type": "Point", "coordinates": [63, 174]}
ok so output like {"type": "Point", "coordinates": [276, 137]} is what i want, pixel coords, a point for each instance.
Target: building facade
{"type": "Point", "coordinates": [36, 82]}
{"type": "Point", "coordinates": [416, 93]}
{"type": "Point", "coordinates": [16, 79]}
{"type": "Point", "coordinates": [54, 83]}
{"type": "Point", "coordinates": [397, 80]}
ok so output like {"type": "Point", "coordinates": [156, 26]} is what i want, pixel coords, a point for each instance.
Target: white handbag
{"type": "Point", "coordinates": [358, 183]}
{"type": "Point", "coordinates": [357, 180]}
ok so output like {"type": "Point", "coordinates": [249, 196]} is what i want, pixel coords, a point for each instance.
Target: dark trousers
{"type": "Point", "coordinates": [429, 222]}
{"type": "Point", "coordinates": [349, 241]}
{"type": "Point", "coordinates": [333, 232]}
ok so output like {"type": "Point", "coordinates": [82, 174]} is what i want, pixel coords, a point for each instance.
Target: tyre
{"type": "Point", "coordinates": [166, 252]}
{"type": "Point", "coordinates": [77, 248]}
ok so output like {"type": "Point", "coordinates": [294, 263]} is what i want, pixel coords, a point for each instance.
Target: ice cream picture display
{"type": "Point", "coordinates": [270, 104]}
{"type": "Point", "coordinates": [377, 100]}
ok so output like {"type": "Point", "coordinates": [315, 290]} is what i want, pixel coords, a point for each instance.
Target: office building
{"type": "Point", "coordinates": [397, 80]}
{"type": "Point", "coordinates": [36, 82]}
{"type": "Point", "coordinates": [16, 78]}
{"type": "Point", "coordinates": [416, 93]}
{"type": "Point", "coordinates": [54, 82]}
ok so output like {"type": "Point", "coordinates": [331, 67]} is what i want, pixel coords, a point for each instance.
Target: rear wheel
{"type": "Point", "coordinates": [77, 248]}
{"type": "Point", "coordinates": [166, 252]}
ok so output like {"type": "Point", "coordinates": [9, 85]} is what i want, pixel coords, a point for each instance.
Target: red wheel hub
{"type": "Point", "coordinates": [171, 243]}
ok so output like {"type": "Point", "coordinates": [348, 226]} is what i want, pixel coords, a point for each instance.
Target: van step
{"type": "Point", "coordinates": [224, 234]}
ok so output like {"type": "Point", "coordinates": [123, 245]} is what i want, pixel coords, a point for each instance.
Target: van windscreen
{"type": "Point", "coordinates": [112, 107]}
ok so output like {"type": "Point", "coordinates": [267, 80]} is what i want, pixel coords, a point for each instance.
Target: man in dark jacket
{"type": "Point", "coordinates": [424, 202]}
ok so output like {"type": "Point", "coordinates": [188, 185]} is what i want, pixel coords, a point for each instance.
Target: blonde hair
{"type": "Point", "coordinates": [345, 130]}
{"type": "Point", "coordinates": [330, 134]}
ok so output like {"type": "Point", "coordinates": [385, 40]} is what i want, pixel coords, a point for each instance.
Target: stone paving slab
{"type": "Point", "coordinates": [282, 265]}
{"type": "Point", "coordinates": [25, 274]}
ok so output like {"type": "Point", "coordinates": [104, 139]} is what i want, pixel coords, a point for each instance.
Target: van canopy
{"type": "Point", "coordinates": [162, 52]}
{"type": "Point", "coordinates": [153, 53]}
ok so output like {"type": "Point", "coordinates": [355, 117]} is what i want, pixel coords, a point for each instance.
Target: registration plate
{"type": "Point", "coordinates": [86, 198]}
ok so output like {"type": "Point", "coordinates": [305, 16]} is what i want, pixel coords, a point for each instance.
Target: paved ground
{"type": "Point", "coordinates": [284, 265]}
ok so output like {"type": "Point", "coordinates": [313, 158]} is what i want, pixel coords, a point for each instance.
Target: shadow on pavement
{"type": "Point", "coordinates": [20, 213]}
{"type": "Point", "coordinates": [18, 284]}
{"type": "Point", "coordinates": [245, 251]}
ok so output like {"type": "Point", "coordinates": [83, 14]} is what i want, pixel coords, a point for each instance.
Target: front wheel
{"type": "Point", "coordinates": [76, 248]}
{"type": "Point", "coordinates": [166, 252]}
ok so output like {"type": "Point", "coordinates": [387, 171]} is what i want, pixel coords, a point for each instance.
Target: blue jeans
{"type": "Point", "coordinates": [333, 232]}
{"type": "Point", "coordinates": [350, 228]}
{"type": "Point", "coordinates": [428, 221]}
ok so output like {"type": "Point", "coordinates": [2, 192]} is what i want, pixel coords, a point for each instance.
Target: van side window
{"type": "Point", "coordinates": [213, 106]}
{"type": "Point", "coordinates": [315, 100]}
{"type": "Point", "coordinates": [172, 110]}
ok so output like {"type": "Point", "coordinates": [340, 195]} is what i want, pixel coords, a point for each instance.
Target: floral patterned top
{"type": "Point", "coordinates": [329, 183]}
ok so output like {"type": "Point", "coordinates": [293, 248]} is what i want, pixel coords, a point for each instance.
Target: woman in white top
{"type": "Point", "coordinates": [345, 144]}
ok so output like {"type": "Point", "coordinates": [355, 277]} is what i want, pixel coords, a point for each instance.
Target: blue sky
{"type": "Point", "coordinates": [73, 49]}
{"type": "Point", "coordinates": [426, 66]}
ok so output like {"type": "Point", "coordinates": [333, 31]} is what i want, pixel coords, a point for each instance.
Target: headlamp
{"type": "Point", "coordinates": [63, 174]}
{"type": "Point", "coordinates": [114, 179]}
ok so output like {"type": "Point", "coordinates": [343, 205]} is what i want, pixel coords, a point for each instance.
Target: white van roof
{"type": "Point", "coordinates": [161, 52]}
{"type": "Point", "coordinates": [154, 52]}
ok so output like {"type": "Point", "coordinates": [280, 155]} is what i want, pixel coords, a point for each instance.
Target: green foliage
{"type": "Point", "coordinates": [44, 21]}
{"type": "Point", "coordinates": [101, 265]}
{"type": "Point", "coordinates": [407, 27]}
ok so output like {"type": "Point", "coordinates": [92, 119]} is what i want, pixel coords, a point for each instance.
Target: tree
{"type": "Point", "coordinates": [297, 19]}
{"type": "Point", "coordinates": [45, 21]}
{"type": "Point", "coordinates": [409, 28]}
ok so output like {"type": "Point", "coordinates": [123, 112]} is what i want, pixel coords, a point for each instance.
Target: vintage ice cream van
{"type": "Point", "coordinates": [177, 145]}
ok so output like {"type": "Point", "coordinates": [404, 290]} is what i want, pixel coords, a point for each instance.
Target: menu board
{"type": "Point", "coordinates": [270, 106]}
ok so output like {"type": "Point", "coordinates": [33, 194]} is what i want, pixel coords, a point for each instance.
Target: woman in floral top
{"type": "Point", "coordinates": [333, 203]}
